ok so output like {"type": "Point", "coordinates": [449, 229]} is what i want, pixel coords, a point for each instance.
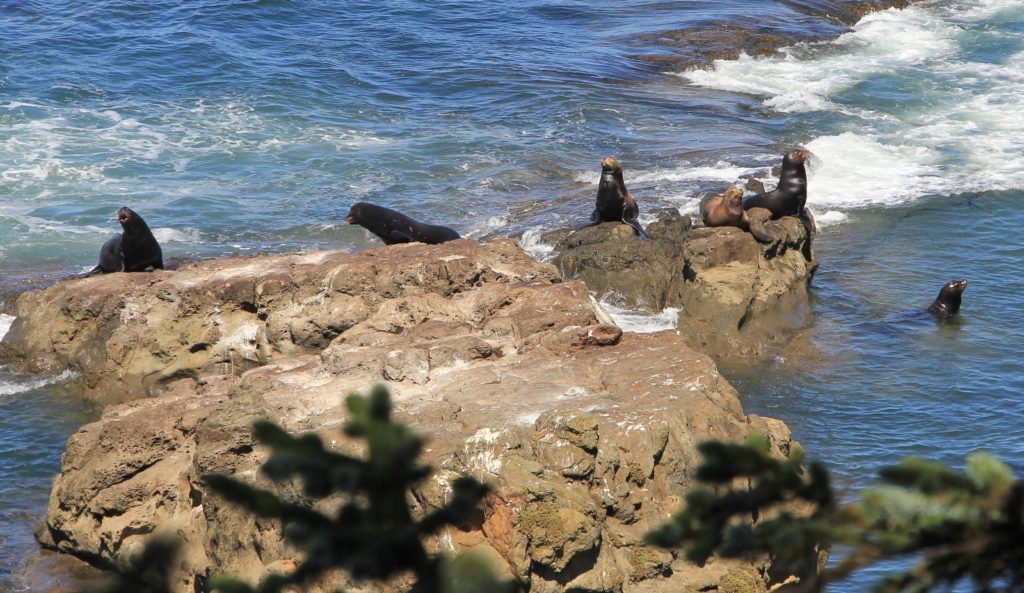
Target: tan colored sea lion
{"type": "Point", "coordinates": [725, 209]}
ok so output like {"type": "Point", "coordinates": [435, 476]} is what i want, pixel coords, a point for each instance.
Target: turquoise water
{"type": "Point", "coordinates": [252, 126]}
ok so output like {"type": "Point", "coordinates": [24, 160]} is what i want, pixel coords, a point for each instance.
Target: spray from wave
{"type": "Point", "coordinates": [920, 112]}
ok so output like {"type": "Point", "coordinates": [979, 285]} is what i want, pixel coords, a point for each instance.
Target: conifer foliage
{"type": "Point", "coordinates": [955, 527]}
{"type": "Point", "coordinates": [373, 536]}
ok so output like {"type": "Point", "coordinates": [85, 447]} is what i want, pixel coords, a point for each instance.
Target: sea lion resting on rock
{"type": "Point", "coordinates": [726, 209]}
{"type": "Point", "coordinates": [133, 250]}
{"type": "Point", "coordinates": [614, 204]}
{"type": "Point", "coordinates": [393, 227]}
{"type": "Point", "coordinates": [948, 302]}
{"type": "Point", "coordinates": [789, 198]}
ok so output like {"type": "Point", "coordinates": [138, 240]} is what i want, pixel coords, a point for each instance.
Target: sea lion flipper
{"type": "Point", "coordinates": [400, 237]}
{"type": "Point", "coordinates": [638, 228]}
{"type": "Point", "coordinates": [760, 235]}
{"type": "Point", "coordinates": [595, 218]}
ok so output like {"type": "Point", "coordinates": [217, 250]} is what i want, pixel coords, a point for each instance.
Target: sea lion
{"type": "Point", "coordinates": [614, 204]}
{"type": "Point", "coordinates": [948, 302]}
{"type": "Point", "coordinates": [789, 197]}
{"type": "Point", "coordinates": [726, 209]}
{"type": "Point", "coordinates": [393, 227]}
{"type": "Point", "coordinates": [133, 250]}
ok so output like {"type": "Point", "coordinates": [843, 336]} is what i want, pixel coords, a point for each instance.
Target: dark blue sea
{"type": "Point", "coordinates": [247, 126]}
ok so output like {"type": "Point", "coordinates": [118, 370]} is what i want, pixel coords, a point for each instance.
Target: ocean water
{"type": "Point", "coordinates": [248, 126]}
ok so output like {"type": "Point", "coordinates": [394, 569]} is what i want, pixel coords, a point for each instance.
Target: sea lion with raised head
{"type": "Point", "coordinates": [948, 302]}
{"type": "Point", "coordinates": [726, 209]}
{"type": "Point", "coordinates": [614, 204]}
{"type": "Point", "coordinates": [135, 249]}
{"type": "Point", "coordinates": [789, 198]}
{"type": "Point", "coordinates": [393, 227]}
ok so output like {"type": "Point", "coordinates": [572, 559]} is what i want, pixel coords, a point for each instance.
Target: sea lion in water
{"type": "Point", "coordinates": [133, 250]}
{"type": "Point", "coordinates": [614, 204]}
{"type": "Point", "coordinates": [948, 302]}
{"type": "Point", "coordinates": [789, 198]}
{"type": "Point", "coordinates": [393, 227]}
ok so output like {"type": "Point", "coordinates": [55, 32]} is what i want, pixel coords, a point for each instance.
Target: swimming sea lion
{"type": "Point", "coordinates": [133, 250]}
{"type": "Point", "coordinates": [393, 227]}
{"type": "Point", "coordinates": [789, 197]}
{"type": "Point", "coordinates": [614, 204]}
{"type": "Point", "coordinates": [948, 302]}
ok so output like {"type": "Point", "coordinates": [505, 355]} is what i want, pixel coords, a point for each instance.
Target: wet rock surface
{"type": "Point", "coordinates": [702, 42]}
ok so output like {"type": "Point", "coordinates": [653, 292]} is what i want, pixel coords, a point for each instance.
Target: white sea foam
{"type": "Point", "coordinates": [488, 226]}
{"type": "Point", "coordinates": [21, 384]}
{"type": "Point", "coordinates": [967, 137]}
{"type": "Point", "coordinates": [837, 177]}
{"type": "Point", "coordinates": [720, 171]}
{"type": "Point", "coordinates": [5, 324]}
{"type": "Point", "coordinates": [169, 235]}
{"type": "Point", "coordinates": [532, 244]}
{"type": "Point", "coordinates": [642, 323]}
{"type": "Point", "coordinates": [829, 218]}
{"type": "Point", "coordinates": [804, 77]}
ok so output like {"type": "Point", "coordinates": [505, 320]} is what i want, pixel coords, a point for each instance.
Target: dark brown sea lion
{"type": "Point", "coordinates": [133, 250]}
{"type": "Point", "coordinates": [614, 204]}
{"type": "Point", "coordinates": [393, 227]}
{"type": "Point", "coordinates": [948, 302]}
{"type": "Point", "coordinates": [789, 198]}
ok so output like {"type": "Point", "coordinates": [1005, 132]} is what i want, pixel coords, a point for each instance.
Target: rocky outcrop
{"type": "Point", "coordinates": [740, 299]}
{"type": "Point", "coordinates": [701, 42]}
{"type": "Point", "coordinates": [131, 334]}
{"type": "Point", "coordinates": [586, 434]}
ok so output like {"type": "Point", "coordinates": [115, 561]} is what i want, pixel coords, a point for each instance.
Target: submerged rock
{"type": "Point", "coordinates": [587, 434]}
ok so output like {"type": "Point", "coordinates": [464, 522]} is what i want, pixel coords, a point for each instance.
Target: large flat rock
{"type": "Point", "coordinates": [587, 435]}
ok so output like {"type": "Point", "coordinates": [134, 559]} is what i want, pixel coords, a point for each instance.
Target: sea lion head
{"type": "Point", "coordinates": [954, 288]}
{"type": "Point", "coordinates": [798, 156]}
{"type": "Point", "coordinates": [734, 197]}
{"type": "Point", "coordinates": [357, 213]}
{"type": "Point", "coordinates": [129, 219]}
{"type": "Point", "coordinates": [610, 164]}
{"type": "Point", "coordinates": [948, 301]}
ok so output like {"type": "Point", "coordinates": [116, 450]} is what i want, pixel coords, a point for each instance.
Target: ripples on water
{"type": "Point", "coordinates": [30, 445]}
{"type": "Point", "coordinates": [243, 126]}
{"type": "Point", "coordinates": [253, 125]}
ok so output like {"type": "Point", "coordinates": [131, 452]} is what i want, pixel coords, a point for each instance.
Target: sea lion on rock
{"type": "Point", "coordinates": [789, 198]}
{"type": "Point", "coordinates": [614, 204]}
{"type": "Point", "coordinates": [726, 209]}
{"type": "Point", "coordinates": [948, 302]}
{"type": "Point", "coordinates": [133, 250]}
{"type": "Point", "coordinates": [393, 227]}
